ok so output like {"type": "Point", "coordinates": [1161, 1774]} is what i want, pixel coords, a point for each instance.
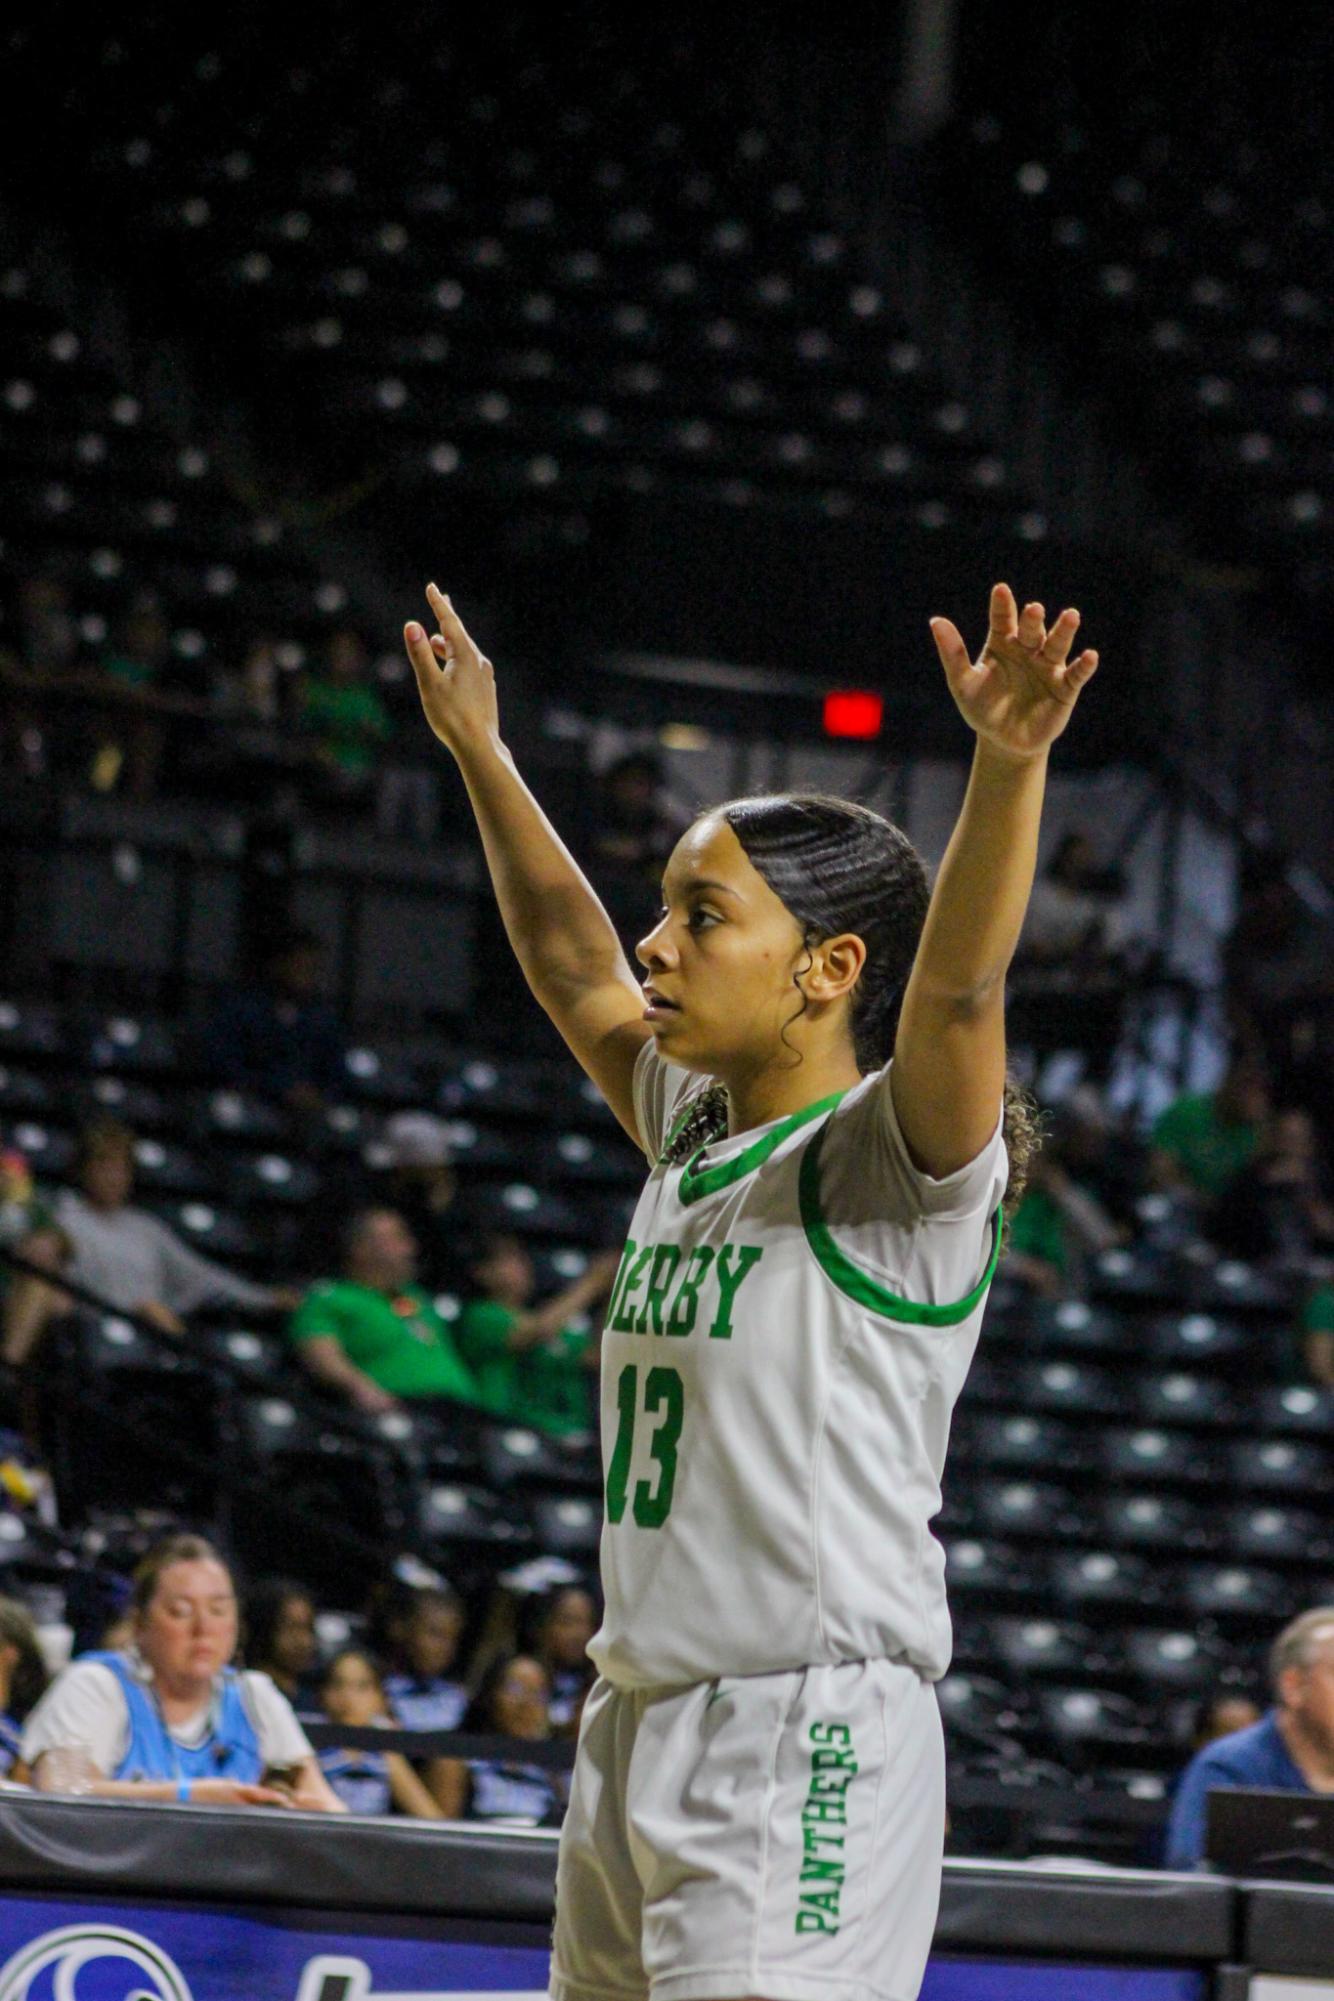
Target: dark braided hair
{"type": "Point", "coordinates": [838, 867]}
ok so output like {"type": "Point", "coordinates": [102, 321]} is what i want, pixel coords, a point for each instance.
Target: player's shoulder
{"type": "Point", "coordinates": [869, 1162]}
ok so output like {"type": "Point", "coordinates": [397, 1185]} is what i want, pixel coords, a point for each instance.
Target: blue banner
{"type": "Point", "coordinates": [52, 1949]}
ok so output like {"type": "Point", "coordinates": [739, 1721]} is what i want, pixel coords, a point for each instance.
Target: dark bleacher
{"type": "Point", "coordinates": [1099, 1587]}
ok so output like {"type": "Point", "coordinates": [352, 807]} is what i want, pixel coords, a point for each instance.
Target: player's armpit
{"type": "Point", "coordinates": [947, 1081]}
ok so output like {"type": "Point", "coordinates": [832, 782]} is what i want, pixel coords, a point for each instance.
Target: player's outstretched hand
{"type": "Point", "coordinates": [1020, 692]}
{"type": "Point", "coordinates": [455, 680]}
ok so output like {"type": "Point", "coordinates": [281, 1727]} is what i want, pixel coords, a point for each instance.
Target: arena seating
{"type": "Point", "coordinates": [569, 306]}
{"type": "Point", "coordinates": [113, 491]}
{"type": "Point", "coordinates": [1100, 1591]}
{"type": "Point", "coordinates": [649, 306]}
{"type": "Point", "coordinates": [1191, 260]}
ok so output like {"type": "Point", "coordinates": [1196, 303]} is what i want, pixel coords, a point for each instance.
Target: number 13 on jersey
{"type": "Point", "coordinates": [663, 1400]}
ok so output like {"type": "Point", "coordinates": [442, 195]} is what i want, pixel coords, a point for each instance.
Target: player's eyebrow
{"type": "Point", "coordinates": [704, 882]}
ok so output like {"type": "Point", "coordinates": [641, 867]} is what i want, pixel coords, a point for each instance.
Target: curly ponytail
{"type": "Point", "coordinates": [840, 867]}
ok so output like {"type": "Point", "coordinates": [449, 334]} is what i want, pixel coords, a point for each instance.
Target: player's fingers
{"type": "Point", "coordinates": [1061, 638]}
{"type": "Point", "coordinates": [1081, 671]}
{"type": "Point", "coordinates": [1004, 612]}
{"type": "Point", "coordinates": [451, 625]}
{"type": "Point", "coordinates": [424, 663]}
{"type": "Point", "coordinates": [949, 645]}
{"type": "Point", "coordinates": [1032, 629]}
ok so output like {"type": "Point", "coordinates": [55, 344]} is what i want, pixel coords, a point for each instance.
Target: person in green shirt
{"type": "Point", "coordinates": [1317, 1328]}
{"type": "Point", "coordinates": [344, 712]}
{"type": "Point", "coordinates": [1060, 1223]}
{"type": "Point", "coordinates": [374, 1335]}
{"type": "Point", "coordinates": [532, 1365]}
{"type": "Point", "coordinates": [1204, 1138]}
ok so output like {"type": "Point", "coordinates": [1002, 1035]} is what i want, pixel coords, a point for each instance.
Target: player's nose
{"type": "Point", "coordinates": [655, 948]}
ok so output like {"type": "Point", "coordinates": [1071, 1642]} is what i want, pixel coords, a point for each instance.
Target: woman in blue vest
{"type": "Point", "coordinates": [169, 1718]}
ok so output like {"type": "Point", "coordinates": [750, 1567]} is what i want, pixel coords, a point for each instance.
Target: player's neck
{"type": "Point", "coordinates": [1311, 1758]}
{"type": "Point", "coordinates": [775, 1092]}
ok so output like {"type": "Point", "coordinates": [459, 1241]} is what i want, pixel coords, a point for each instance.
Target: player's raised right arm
{"type": "Point", "coordinates": [562, 937]}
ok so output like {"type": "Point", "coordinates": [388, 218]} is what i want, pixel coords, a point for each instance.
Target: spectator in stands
{"type": "Point", "coordinates": [425, 1627]}
{"type": "Point", "coordinates": [348, 721]}
{"type": "Point", "coordinates": [1074, 914]}
{"type": "Point", "coordinates": [1062, 1222]}
{"type": "Point", "coordinates": [1276, 1209]}
{"type": "Point", "coordinates": [23, 1677]}
{"type": "Point", "coordinates": [1070, 972]}
{"type": "Point", "coordinates": [255, 692]}
{"type": "Point", "coordinates": [561, 1625]}
{"type": "Point", "coordinates": [413, 1175]}
{"type": "Point", "coordinates": [170, 1718]}
{"type": "Point", "coordinates": [1279, 964]}
{"type": "Point", "coordinates": [1316, 1333]}
{"type": "Point", "coordinates": [532, 1365]}
{"type": "Point", "coordinates": [367, 1781]}
{"type": "Point", "coordinates": [511, 1701]}
{"type": "Point", "coordinates": [278, 1038]}
{"type": "Point", "coordinates": [46, 633]}
{"type": "Point", "coordinates": [46, 642]}
{"type": "Point", "coordinates": [1289, 1750]}
{"type": "Point", "coordinates": [280, 1639]}
{"type": "Point", "coordinates": [1222, 1716]}
{"type": "Point", "coordinates": [634, 830]}
{"type": "Point", "coordinates": [374, 1336]}
{"type": "Point", "coordinates": [257, 756]}
{"type": "Point", "coordinates": [29, 1229]}
{"type": "Point", "coordinates": [129, 741]}
{"type": "Point", "coordinates": [130, 1258]}
{"type": "Point", "coordinates": [1203, 1138]}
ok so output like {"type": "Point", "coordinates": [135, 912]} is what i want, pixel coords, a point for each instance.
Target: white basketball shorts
{"type": "Point", "coordinates": [774, 1835]}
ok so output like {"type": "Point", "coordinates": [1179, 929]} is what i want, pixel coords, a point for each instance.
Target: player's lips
{"type": "Point", "coordinates": [657, 1006]}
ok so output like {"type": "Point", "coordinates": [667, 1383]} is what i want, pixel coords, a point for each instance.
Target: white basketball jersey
{"type": "Point", "coordinates": [795, 1312]}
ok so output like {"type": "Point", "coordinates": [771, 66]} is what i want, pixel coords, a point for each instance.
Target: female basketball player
{"type": "Point", "coordinates": [758, 1799]}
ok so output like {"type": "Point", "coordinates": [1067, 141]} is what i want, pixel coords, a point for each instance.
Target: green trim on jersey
{"type": "Point", "coordinates": [710, 1179]}
{"type": "Point", "coordinates": [858, 1285]}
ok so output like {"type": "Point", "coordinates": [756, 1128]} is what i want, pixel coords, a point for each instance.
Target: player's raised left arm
{"type": "Point", "coordinates": [949, 1054]}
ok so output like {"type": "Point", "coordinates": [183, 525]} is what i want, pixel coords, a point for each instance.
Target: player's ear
{"type": "Point", "coordinates": [836, 966]}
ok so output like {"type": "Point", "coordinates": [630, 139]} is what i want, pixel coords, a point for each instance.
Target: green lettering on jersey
{"type": "Point", "coordinates": [623, 1320]}
{"type": "Point", "coordinates": [614, 1297]}
{"type": "Point", "coordinates": [833, 1765]}
{"type": "Point", "coordinates": [618, 1473]}
{"type": "Point", "coordinates": [664, 1398]}
{"type": "Point", "coordinates": [663, 1392]}
{"type": "Point", "coordinates": [665, 1260]}
{"type": "Point", "coordinates": [685, 1306]}
{"type": "Point", "coordinates": [729, 1284]}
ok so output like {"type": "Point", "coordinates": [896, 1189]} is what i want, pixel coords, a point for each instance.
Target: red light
{"type": "Point", "coordinates": [853, 712]}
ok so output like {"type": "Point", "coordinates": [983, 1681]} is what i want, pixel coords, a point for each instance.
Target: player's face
{"type": "Point", "coordinates": [720, 961]}
{"type": "Point", "coordinates": [188, 1633]}
{"type": "Point", "coordinates": [1309, 1693]}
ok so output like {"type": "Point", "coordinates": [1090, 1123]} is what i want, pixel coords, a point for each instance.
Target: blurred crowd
{"type": "Point", "coordinates": [192, 1694]}
{"type": "Point", "coordinates": [316, 721]}
{"type": "Point", "coordinates": [401, 1299]}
